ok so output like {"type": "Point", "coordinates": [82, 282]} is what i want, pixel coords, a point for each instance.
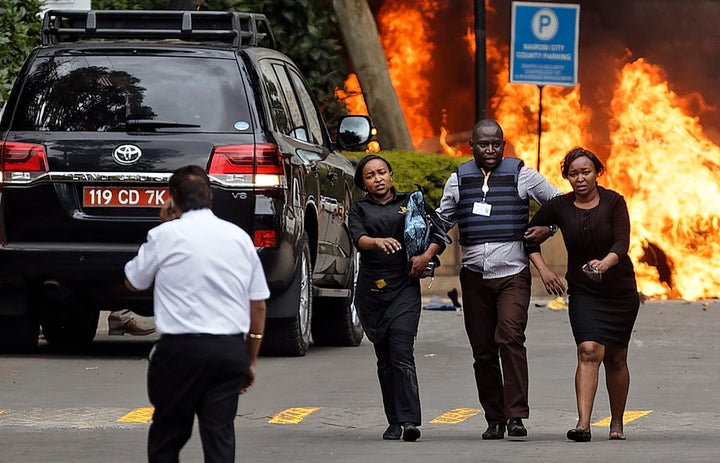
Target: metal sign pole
{"type": "Point", "coordinates": [540, 87]}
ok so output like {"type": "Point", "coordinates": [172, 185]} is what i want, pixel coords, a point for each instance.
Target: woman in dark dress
{"type": "Point", "coordinates": [387, 294]}
{"type": "Point", "coordinates": [602, 293]}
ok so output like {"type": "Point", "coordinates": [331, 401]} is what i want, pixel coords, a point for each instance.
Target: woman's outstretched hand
{"type": "Point", "coordinates": [389, 245]}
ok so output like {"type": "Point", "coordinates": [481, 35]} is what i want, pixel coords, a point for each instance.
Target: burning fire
{"type": "Point", "coordinates": [352, 96]}
{"type": "Point", "coordinates": [668, 171]}
{"type": "Point", "coordinates": [516, 107]}
{"type": "Point", "coordinates": [405, 35]}
{"type": "Point", "coordinates": [659, 158]}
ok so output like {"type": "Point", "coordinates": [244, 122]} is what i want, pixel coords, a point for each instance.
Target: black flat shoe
{"type": "Point", "coordinates": [494, 432]}
{"type": "Point", "coordinates": [393, 432]}
{"type": "Point", "coordinates": [516, 428]}
{"type": "Point", "coordinates": [410, 433]}
{"type": "Point", "coordinates": [579, 435]}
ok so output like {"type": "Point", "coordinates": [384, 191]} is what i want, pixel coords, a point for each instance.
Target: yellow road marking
{"type": "Point", "coordinates": [139, 415]}
{"type": "Point", "coordinates": [292, 415]}
{"type": "Point", "coordinates": [630, 415]}
{"type": "Point", "coordinates": [2, 411]}
{"type": "Point", "coordinates": [455, 416]}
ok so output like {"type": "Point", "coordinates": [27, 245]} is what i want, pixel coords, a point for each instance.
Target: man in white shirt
{"type": "Point", "coordinates": [209, 302]}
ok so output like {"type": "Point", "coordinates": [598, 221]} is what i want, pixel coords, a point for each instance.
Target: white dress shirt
{"type": "Point", "coordinates": [497, 260]}
{"type": "Point", "coordinates": [206, 272]}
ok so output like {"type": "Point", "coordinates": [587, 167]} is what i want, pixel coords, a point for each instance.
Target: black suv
{"type": "Point", "coordinates": [99, 117]}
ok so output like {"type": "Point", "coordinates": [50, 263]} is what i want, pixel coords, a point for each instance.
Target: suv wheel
{"type": "Point", "coordinates": [68, 325]}
{"type": "Point", "coordinates": [19, 328]}
{"type": "Point", "coordinates": [19, 334]}
{"type": "Point", "coordinates": [291, 336]}
{"type": "Point", "coordinates": [336, 321]}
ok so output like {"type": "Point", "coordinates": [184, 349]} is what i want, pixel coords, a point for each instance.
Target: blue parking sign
{"type": "Point", "coordinates": [544, 43]}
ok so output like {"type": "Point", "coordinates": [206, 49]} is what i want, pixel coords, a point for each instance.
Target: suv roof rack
{"type": "Point", "coordinates": [237, 28]}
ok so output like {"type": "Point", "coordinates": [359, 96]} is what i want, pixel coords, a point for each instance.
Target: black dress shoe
{"type": "Point", "coordinates": [393, 432]}
{"type": "Point", "coordinates": [579, 435]}
{"type": "Point", "coordinates": [494, 432]}
{"type": "Point", "coordinates": [410, 432]}
{"type": "Point", "coordinates": [515, 428]}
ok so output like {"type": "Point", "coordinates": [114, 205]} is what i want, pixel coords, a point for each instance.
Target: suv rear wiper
{"type": "Point", "coordinates": [138, 124]}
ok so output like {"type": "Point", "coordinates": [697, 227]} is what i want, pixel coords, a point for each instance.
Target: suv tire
{"type": "Point", "coordinates": [18, 334]}
{"type": "Point", "coordinates": [291, 336]}
{"type": "Point", "coordinates": [336, 321]}
{"type": "Point", "coordinates": [71, 326]}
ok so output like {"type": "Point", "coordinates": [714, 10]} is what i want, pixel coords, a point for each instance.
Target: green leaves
{"type": "Point", "coordinates": [307, 31]}
{"type": "Point", "coordinates": [20, 27]}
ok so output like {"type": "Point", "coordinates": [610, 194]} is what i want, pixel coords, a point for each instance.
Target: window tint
{"type": "Point", "coordinates": [93, 93]}
{"type": "Point", "coordinates": [311, 115]}
{"type": "Point", "coordinates": [278, 109]}
{"type": "Point", "coordinates": [298, 130]}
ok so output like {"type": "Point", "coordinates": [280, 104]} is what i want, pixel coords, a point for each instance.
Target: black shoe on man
{"type": "Point", "coordinates": [494, 432]}
{"type": "Point", "coordinates": [515, 428]}
{"type": "Point", "coordinates": [410, 432]}
{"type": "Point", "coordinates": [393, 432]}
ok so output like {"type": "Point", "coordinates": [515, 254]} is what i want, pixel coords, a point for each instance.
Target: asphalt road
{"type": "Point", "coordinates": [326, 406]}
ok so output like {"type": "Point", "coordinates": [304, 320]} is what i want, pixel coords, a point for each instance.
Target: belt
{"type": "Point", "coordinates": [202, 335]}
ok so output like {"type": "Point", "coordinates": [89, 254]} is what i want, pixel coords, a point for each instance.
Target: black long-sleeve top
{"type": "Point", "coordinates": [592, 234]}
{"type": "Point", "coordinates": [376, 220]}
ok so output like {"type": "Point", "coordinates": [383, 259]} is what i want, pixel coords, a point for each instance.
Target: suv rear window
{"type": "Point", "coordinates": [100, 93]}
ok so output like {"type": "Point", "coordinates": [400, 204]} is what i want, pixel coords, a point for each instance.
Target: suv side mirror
{"type": "Point", "coordinates": [354, 131]}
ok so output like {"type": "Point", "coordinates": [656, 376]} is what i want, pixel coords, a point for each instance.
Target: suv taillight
{"type": "Point", "coordinates": [23, 157]}
{"type": "Point", "coordinates": [260, 159]}
{"type": "Point", "coordinates": [265, 238]}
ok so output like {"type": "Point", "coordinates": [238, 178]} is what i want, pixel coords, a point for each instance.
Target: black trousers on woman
{"type": "Point", "coordinates": [396, 370]}
{"type": "Point", "coordinates": [192, 375]}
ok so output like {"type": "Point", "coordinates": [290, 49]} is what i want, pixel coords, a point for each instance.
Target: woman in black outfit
{"type": "Point", "coordinates": [602, 294]}
{"type": "Point", "coordinates": [387, 294]}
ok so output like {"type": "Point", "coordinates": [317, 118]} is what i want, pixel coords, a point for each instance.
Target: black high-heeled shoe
{"type": "Point", "coordinates": [579, 435]}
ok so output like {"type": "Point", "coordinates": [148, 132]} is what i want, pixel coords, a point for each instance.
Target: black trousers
{"type": "Point", "coordinates": [396, 371]}
{"type": "Point", "coordinates": [192, 375]}
{"type": "Point", "coordinates": [496, 315]}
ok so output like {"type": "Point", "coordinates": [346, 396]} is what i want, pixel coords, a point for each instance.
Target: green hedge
{"type": "Point", "coordinates": [413, 170]}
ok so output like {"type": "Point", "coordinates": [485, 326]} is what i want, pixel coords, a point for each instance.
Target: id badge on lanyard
{"type": "Point", "coordinates": [482, 207]}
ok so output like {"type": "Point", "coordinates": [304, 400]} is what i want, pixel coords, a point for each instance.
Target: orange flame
{"type": "Point", "coordinates": [564, 120]}
{"type": "Point", "coordinates": [352, 96]}
{"type": "Point", "coordinates": [446, 149]}
{"type": "Point", "coordinates": [659, 158]}
{"type": "Point", "coordinates": [405, 35]}
{"type": "Point", "coordinates": [668, 172]}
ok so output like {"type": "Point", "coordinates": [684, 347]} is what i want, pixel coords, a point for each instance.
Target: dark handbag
{"type": "Point", "coordinates": [421, 222]}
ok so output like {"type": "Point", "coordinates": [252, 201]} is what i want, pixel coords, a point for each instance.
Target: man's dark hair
{"type": "Point", "coordinates": [487, 123]}
{"type": "Point", "coordinates": [190, 188]}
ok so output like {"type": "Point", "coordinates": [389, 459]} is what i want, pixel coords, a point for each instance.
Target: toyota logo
{"type": "Point", "coordinates": [127, 154]}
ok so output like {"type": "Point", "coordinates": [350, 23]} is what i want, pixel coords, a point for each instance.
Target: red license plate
{"type": "Point", "coordinates": [124, 196]}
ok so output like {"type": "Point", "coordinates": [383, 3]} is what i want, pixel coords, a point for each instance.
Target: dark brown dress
{"type": "Point", "coordinates": [604, 311]}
